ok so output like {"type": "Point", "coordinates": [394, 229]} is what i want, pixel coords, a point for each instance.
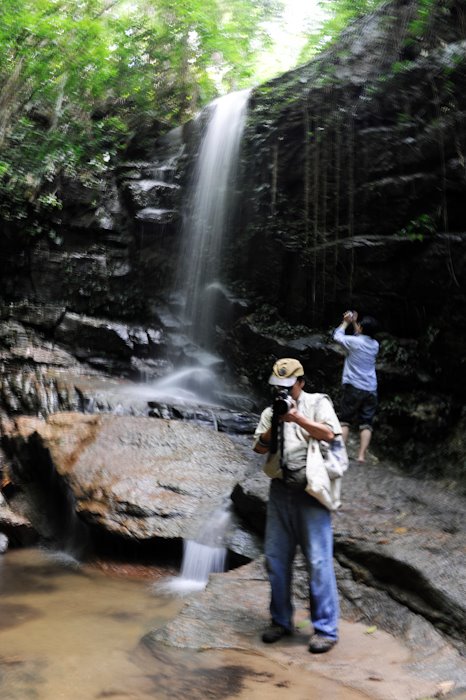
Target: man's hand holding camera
{"type": "Point", "coordinates": [319, 431]}
{"type": "Point", "coordinates": [349, 317]}
{"type": "Point", "coordinates": [284, 408]}
{"type": "Point", "coordinates": [292, 415]}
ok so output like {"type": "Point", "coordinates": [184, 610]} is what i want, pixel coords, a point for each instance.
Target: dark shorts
{"type": "Point", "coordinates": [357, 406]}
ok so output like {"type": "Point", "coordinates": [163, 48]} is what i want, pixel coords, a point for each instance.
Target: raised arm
{"type": "Point", "coordinates": [339, 332]}
{"type": "Point", "coordinates": [318, 431]}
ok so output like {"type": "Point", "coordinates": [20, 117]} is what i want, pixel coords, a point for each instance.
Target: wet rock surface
{"type": "Point", "coordinates": [399, 557]}
{"type": "Point", "coordinates": [15, 530]}
{"type": "Point", "coordinates": [400, 537]}
{"type": "Point", "coordinates": [399, 541]}
{"type": "Point", "coordinates": [233, 611]}
{"type": "Point", "coordinates": [139, 477]}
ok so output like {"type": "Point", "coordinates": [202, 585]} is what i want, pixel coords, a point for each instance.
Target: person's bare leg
{"type": "Point", "coordinates": [345, 433]}
{"type": "Point", "coordinates": [364, 440]}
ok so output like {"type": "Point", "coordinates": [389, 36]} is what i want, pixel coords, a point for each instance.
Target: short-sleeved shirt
{"type": "Point", "coordinates": [359, 367]}
{"type": "Point", "coordinates": [316, 407]}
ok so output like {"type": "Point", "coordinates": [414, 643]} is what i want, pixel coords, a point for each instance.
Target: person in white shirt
{"type": "Point", "coordinates": [293, 515]}
{"type": "Point", "coordinates": [359, 391]}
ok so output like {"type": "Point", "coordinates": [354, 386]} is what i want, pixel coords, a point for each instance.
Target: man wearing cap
{"type": "Point", "coordinates": [293, 515]}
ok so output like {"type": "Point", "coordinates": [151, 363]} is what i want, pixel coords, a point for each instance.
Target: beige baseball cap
{"type": "Point", "coordinates": [285, 372]}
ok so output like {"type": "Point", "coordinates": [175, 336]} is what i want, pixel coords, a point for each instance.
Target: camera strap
{"type": "Point", "coordinates": [277, 441]}
{"type": "Point", "coordinates": [281, 442]}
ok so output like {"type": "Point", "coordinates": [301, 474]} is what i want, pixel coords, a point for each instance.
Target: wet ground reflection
{"type": "Point", "coordinates": [70, 632]}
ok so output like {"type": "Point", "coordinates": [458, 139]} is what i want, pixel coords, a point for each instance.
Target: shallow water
{"type": "Point", "coordinates": [72, 632]}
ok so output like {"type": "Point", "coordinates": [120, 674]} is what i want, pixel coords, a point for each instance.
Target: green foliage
{"type": "Point", "coordinates": [78, 77]}
{"type": "Point", "coordinates": [395, 352]}
{"type": "Point", "coordinates": [400, 66]}
{"type": "Point", "coordinates": [419, 228]}
{"type": "Point", "coordinates": [419, 25]}
{"type": "Point", "coordinates": [339, 14]}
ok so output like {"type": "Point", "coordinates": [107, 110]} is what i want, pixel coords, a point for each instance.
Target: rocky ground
{"type": "Point", "coordinates": [400, 565]}
{"type": "Point", "coordinates": [399, 549]}
{"type": "Point", "coordinates": [232, 612]}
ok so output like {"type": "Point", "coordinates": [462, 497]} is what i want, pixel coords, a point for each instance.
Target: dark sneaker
{"type": "Point", "coordinates": [274, 633]}
{"type": "Point", "coordinates": [319, 645]}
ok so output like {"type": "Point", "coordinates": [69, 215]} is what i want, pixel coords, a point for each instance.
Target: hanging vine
{"type": "Point", "coordinates": [351, 194]}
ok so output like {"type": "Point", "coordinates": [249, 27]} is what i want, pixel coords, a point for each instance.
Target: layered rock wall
{"type": "Point", "coordinates": [354, 178]}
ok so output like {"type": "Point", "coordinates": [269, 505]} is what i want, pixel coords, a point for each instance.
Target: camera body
{"type": "Point", "coordinates": [282, 403]}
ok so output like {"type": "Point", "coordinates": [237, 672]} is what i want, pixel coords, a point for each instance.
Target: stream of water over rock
{"type": "Point", "coordinates": [207, 213]}
{"type": "Point", "coordinates": [199, 298]}
{"type": "Point", "coordinates": [72, 632]}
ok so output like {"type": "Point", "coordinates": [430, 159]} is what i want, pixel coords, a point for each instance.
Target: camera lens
{"type": "Point", "coordinates": [281, 407]}
{"type": "Point", "coordinates": [282, 403]}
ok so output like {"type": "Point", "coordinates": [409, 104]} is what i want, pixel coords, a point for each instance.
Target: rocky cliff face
{"type": "Point", "coordinates": [354, 179]}
{"type": "Point", "coordinates": [355, 162]}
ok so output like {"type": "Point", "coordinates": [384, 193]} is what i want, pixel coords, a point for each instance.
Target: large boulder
{"type": "Point", "coordinates": [134, 477]}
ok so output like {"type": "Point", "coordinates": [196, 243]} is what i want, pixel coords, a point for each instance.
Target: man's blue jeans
{"type": "Point", "coordinates": [294, 517]}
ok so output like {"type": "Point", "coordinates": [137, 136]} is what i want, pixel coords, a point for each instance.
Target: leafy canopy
{"type": "Point", "coordinates": [77, 76]}
{"type": "Point", "coordinates": [339, 13]}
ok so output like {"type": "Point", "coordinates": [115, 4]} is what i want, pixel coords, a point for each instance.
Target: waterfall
{"type": "Point", "coordinates": [198, 375]}
{"type": "Point", "coordinates": [203, 555]}
{"type": "Point", "coordinates": [208, 213]}
{"type": "Point", "coordinates": [199, 561]}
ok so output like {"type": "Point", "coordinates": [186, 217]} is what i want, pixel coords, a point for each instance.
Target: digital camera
{"type": "Point", "coordinates": [282, 403]}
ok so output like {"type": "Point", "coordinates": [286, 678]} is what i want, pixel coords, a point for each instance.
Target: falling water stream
{"type": "Point", "coordinates": [203, 554]}
{"type": "Point", "coordinates": [208, 212]}
{"type": "Point", "coordinates": [207, 222]}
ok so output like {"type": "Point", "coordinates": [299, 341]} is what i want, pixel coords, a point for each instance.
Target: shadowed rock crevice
{"type": "Point", "coordinates": [405, 584]}
{"type": "Point", "coordinates": [42, 496]}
